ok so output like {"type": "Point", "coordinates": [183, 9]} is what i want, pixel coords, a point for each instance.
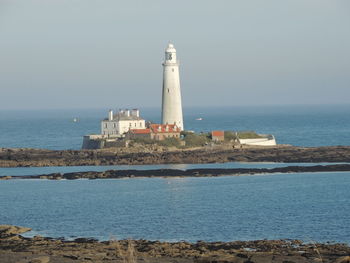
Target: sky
{"type": "Point", "coordinates": [58, 54]}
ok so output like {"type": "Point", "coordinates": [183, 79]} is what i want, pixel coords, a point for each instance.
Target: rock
{"type": "Point", "coordinates": [8, 230]}
{"type": "Point", "coordinates": [43, 249]}
{"type": "Point", "coordinates": [43, 259]}
{"type": "Point", "coordinates": [40, 157]}
{"type": "Point", "coordinates": [74, 257]}
{"type": "Point", "coordinates": [197, 172]}
{"type": "Point", "coordinates": [220, 259]}
{"type": "Point", "coordinates": [345, 259]}
{"type": "Point", "coordinates": [5, 177]}
{"type": "Point", "coordinates": [12, 238]}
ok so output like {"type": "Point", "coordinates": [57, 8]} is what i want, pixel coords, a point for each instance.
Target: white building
{"type": "Point", "coordinates": [264, 140]}
{"type": "Point", "coordinates": [171, 99]}
{"type": "Point", "coordinates": [120, 123]}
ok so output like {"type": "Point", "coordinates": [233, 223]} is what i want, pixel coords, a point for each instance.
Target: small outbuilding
{"type": "Point", "coordinates": [217, 136]}
{"type": "Point", "coordinates": [139, 133]}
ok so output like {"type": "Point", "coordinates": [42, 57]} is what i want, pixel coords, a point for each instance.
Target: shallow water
{"type": "Point", "coordinates": [308, 206]}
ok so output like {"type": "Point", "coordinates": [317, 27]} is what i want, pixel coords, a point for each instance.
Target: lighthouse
{"type": "Point", "coordinates": [171, 99]}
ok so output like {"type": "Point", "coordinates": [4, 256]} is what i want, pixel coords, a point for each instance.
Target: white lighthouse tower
{"type": "Point", "coordinates": [171, 99]}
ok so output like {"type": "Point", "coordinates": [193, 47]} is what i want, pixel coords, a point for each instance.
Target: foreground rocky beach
{"type": "Point", "coordinates": [16, 249]}
{"type": "Point", "coordinates": [23, 157]}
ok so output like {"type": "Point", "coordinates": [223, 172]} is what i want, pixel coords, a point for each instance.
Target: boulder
{"type": "Point", "coordinates": [8, 230]}
{"type": "Point", "coordinates": [43, 259]}
{"type": "Point", "coordinates": [5, 177]}
{"type": "Point", "coordinates": [345, 259]}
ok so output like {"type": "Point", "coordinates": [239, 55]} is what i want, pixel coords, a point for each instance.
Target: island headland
{"type": "Point", "coordinates": [125, 125]}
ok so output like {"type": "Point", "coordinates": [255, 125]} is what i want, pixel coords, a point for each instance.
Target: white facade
{"type": "Point", "coordinates": [171, 99]}
{"type": "Point", "coordinates": [122, 122]}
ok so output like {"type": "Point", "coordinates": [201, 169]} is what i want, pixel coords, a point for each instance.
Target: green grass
{"type": "Point", "coordinates": [196, 140]}
{"type": "Point", "coordinates": [248, 135]}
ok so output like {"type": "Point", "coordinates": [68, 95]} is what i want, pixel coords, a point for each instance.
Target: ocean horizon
{"type": "Point", "coordinates": [299, 125]}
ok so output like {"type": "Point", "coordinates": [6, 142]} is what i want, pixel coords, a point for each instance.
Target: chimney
{"type": "Point", "coordinates": [135, 112]}
{"type": "Point", "coordinates": [110, 115]}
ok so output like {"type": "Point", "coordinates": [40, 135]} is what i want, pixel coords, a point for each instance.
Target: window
{"type": "Point", "coordinates": [172, 70]}
{"type": "Point", "coordinates": [135, 124]}
{"type": "Point", "coordinates": [168, 90]}
{"type": "Point", "coordinates": [105, 125]}
{"type": "Point", "coordinates": [114, 125]}
{"type": "Point", "coordinates": [140, 124]}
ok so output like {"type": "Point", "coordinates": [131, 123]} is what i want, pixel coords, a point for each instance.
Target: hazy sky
{"type": "Point", "coordinates": [108, 53]}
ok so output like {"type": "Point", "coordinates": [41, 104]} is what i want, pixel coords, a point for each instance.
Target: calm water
{"type": "Point", "coordinates": [304, 206]}
{"type": "Point", "coordinates": [297, 125]}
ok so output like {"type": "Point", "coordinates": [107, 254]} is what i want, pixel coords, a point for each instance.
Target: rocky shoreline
{"type": "Point", "coordinates": [17, 249]}
{"type": "Point", "coordinates": [23, 157]}
{"type": "Point", "coordinates": [202, 172]}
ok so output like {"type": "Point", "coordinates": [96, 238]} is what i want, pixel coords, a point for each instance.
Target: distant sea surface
{"type": "Point", "coordinates": [296, 125]}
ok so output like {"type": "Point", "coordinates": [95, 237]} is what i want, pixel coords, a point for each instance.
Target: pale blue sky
{"type": "Point", "coordinates": [107, 53]}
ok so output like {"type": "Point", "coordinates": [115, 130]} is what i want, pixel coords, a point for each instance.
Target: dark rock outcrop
{"type": "Point", "coordinates": [204, 172]}
{"type": "Point", "coordinates": [287, 154]}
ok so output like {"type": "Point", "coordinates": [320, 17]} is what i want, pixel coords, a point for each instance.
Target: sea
{"type": "Point", "coordinates": [299, 125]}
{"type": "Point", "coordinates": [313, 207]}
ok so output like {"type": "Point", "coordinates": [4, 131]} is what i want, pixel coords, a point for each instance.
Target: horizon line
{"type": "Point", "coordinates": [184, 107]}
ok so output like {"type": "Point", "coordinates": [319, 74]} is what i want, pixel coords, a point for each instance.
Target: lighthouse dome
{"type": "Point", "coordinates": [170, 48]}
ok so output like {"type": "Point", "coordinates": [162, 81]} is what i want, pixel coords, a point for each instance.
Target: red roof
{"type": "Point", "coordinates": [164, 128]}
{"type": "Point", "coordinates": [217, 133]}
{"type": "Point", "coordinates": [140, 131]}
